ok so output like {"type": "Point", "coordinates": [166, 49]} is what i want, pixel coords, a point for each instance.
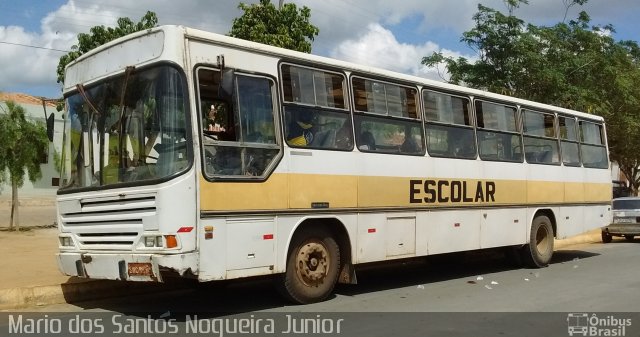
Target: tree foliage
{"type": "Point", "coordinates": [573, 65]}
{"type": "Point", "coordinates": [287, 27]}
{"type": "Point", "coordinates": [100, 35]}
{"type": "Point", "coordinates": [22, 145]}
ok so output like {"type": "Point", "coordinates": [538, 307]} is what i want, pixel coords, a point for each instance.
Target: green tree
{"type": "Point", "coordinates": [100, 35]}
{"type": "Point", "coordinates": [573, 65]}
{"type": "Point", "coordinates": [286, 27]}
{"type": "Point", "coordinates": [22, 145]}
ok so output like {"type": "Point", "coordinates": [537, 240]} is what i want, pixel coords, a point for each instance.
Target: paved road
{"type": "Point", "coordinates": [477, 294]}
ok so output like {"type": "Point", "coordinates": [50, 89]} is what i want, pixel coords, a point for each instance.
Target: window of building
{"type": "Point", "coordinates": [44, 156]}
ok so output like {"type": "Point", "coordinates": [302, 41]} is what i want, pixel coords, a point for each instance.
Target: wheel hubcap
{"type": "Point", "coordinates": [313, 263]}
{"type": "Point", "coordinates": [542, 240]}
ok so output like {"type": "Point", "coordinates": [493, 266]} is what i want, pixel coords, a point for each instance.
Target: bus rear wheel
{"type": "Point", "coordinates": [312, 267]}
{"type": "Point", "coordinates": [538, 252]}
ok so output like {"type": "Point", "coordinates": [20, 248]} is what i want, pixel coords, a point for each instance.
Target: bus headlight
{"type": "Point", "coordinates": [153, 241]}
{"type": "Point", "coordinates": [66, 241]}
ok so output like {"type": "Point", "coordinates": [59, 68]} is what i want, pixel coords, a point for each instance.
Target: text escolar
{"type": "Point", "coordinates": [455, 191]}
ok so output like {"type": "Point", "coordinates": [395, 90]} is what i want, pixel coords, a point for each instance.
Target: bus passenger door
{"type": "Point", "coordinates": [241, 182]}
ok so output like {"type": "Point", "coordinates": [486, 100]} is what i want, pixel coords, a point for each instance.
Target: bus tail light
{"type": "Point", "coordinates": [171, 241]}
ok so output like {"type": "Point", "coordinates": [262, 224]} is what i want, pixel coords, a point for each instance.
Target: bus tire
{"type": "Point", "coordinates": [312, 267]}
{"type": "Point", "coordinates": [538, 252]}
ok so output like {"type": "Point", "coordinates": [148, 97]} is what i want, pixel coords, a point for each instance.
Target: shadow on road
{"type": "Point", "coordinates": [562, 256]}
{"type": "Point", "coordinates": [216, 299]}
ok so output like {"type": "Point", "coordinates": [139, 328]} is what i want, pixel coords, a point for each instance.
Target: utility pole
{"type": "Point", "coordinates": [280, 4]}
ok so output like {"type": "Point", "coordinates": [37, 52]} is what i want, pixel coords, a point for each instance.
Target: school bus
{"type": "Point", "coordinates": [197, 155]}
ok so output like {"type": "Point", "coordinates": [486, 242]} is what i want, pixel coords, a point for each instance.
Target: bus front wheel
{"type": "Point", "coordinates": [312, 266]}
{"type": "Point", "coordinates": [538, 252]}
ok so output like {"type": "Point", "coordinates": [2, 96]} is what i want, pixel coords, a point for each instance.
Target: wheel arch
{"type": "Point", "coordinates": [549, 213]}
{"type": "Point", "coordinates": [338, 230]}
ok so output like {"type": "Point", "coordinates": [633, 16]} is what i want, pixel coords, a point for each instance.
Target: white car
{"type": "Point", "coordinates": [626, 219]}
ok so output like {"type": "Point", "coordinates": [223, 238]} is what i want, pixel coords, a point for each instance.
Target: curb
{"type": "Point", "coordinates": [33, 296]}
{"type": "Point", "coordinates": [20, 298]}
{"type": "Point", "coordinates": [592, 236]}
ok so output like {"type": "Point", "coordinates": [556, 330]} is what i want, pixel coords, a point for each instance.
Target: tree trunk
{"type": "Point", "coordinates": [632, 175]}
{"type": "Point", "coordinates": [15, 219]}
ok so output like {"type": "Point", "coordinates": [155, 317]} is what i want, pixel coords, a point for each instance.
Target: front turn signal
{"type": "Point", "coordinates": [171, 241]}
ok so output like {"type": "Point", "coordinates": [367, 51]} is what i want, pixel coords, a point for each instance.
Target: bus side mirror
{"type": "Point", "coordinates": [226, 83]}
{"type": "Point", "coordinates": [50, 122]}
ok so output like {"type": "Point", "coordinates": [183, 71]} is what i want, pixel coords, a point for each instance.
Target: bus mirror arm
{"type": "Point", "coordinates": [226, 84]}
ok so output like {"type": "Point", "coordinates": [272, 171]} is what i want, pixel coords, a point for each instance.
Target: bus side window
{"type": "Point", "coordinates": [315, 109]}
{"type": "Point", "coordinates": [569, 141]}
{"type": "Point", "coordinates": [540, 140]}
{"type": "Point", "coordinates": [238, 137]}
{"type": "Point", "coordinates": [449, 126]}
{"type": "Point", "coordinates": [498, 135]}
{"type": "Point", "coordinates": [386, 118]}
{"type": "Point", "coordinates": [593, 147]}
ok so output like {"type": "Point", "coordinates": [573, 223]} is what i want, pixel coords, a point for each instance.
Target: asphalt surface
{"type": "Point", "coordinates": [475, 294]}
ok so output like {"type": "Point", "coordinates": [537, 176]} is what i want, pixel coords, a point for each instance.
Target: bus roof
{"type": "Point", "coordinates": [186, 32]}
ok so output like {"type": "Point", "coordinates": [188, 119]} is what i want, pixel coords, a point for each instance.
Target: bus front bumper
{"type": "Point", "coordinates": [130, 267]}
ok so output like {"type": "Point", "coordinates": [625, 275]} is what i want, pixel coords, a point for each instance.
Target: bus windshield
{"type": "Point", "coordinates": [126, 129]}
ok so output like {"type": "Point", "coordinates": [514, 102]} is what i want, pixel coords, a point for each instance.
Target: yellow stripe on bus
{"type": "Point", "coordinates": [303, 191]}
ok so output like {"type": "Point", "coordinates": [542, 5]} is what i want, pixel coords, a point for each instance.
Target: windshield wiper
{"type": "Point", "coordinates": [121, 124]}
{"type": "Point", "coordinates": [86, 160]}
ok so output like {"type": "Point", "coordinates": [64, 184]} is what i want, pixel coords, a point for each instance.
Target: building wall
{"type": "Point", "coordinates": [35, 112]}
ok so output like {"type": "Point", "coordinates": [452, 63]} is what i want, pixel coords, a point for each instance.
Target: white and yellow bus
{"type": "Point", "coordinates": [193, 154]}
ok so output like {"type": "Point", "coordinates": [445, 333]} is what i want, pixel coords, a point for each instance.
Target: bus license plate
{"type": "Point", "coordinates": [139, 269]}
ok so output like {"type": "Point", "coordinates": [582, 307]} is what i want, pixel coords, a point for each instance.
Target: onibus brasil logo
{"type": "Point", "coordinates": [582, 324]}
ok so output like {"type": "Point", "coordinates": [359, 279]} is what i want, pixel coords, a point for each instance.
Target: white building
{"type": "Point", "coordinates": [48, 184]}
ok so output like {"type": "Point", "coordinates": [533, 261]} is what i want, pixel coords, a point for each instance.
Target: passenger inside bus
{"type": "Point", "coordinates": [367, 142]}
{"type": "Point", "coordinates": [300, 131]}
{"type": "Point", "coordinates": [410, 145]}
{"type": "Point", "coordinates": [464, 143]}
{"type": "Point", "coordinates": [218, 123]}
{"type": "Point", "coordinates": [343, 136]}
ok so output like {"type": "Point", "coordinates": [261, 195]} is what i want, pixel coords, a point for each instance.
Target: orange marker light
{"type": "Point", "coordinates": [171, 241]}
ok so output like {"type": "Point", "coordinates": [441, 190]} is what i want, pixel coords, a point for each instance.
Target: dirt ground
{"type": "Point", "coordinates": [29, 258]}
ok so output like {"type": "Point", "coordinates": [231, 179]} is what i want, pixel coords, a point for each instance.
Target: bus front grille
{"type": "Point", "coordinates": [109, 224]}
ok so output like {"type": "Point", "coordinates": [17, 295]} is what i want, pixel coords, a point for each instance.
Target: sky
{"type": "Point", "coordinates": [392, 35]}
